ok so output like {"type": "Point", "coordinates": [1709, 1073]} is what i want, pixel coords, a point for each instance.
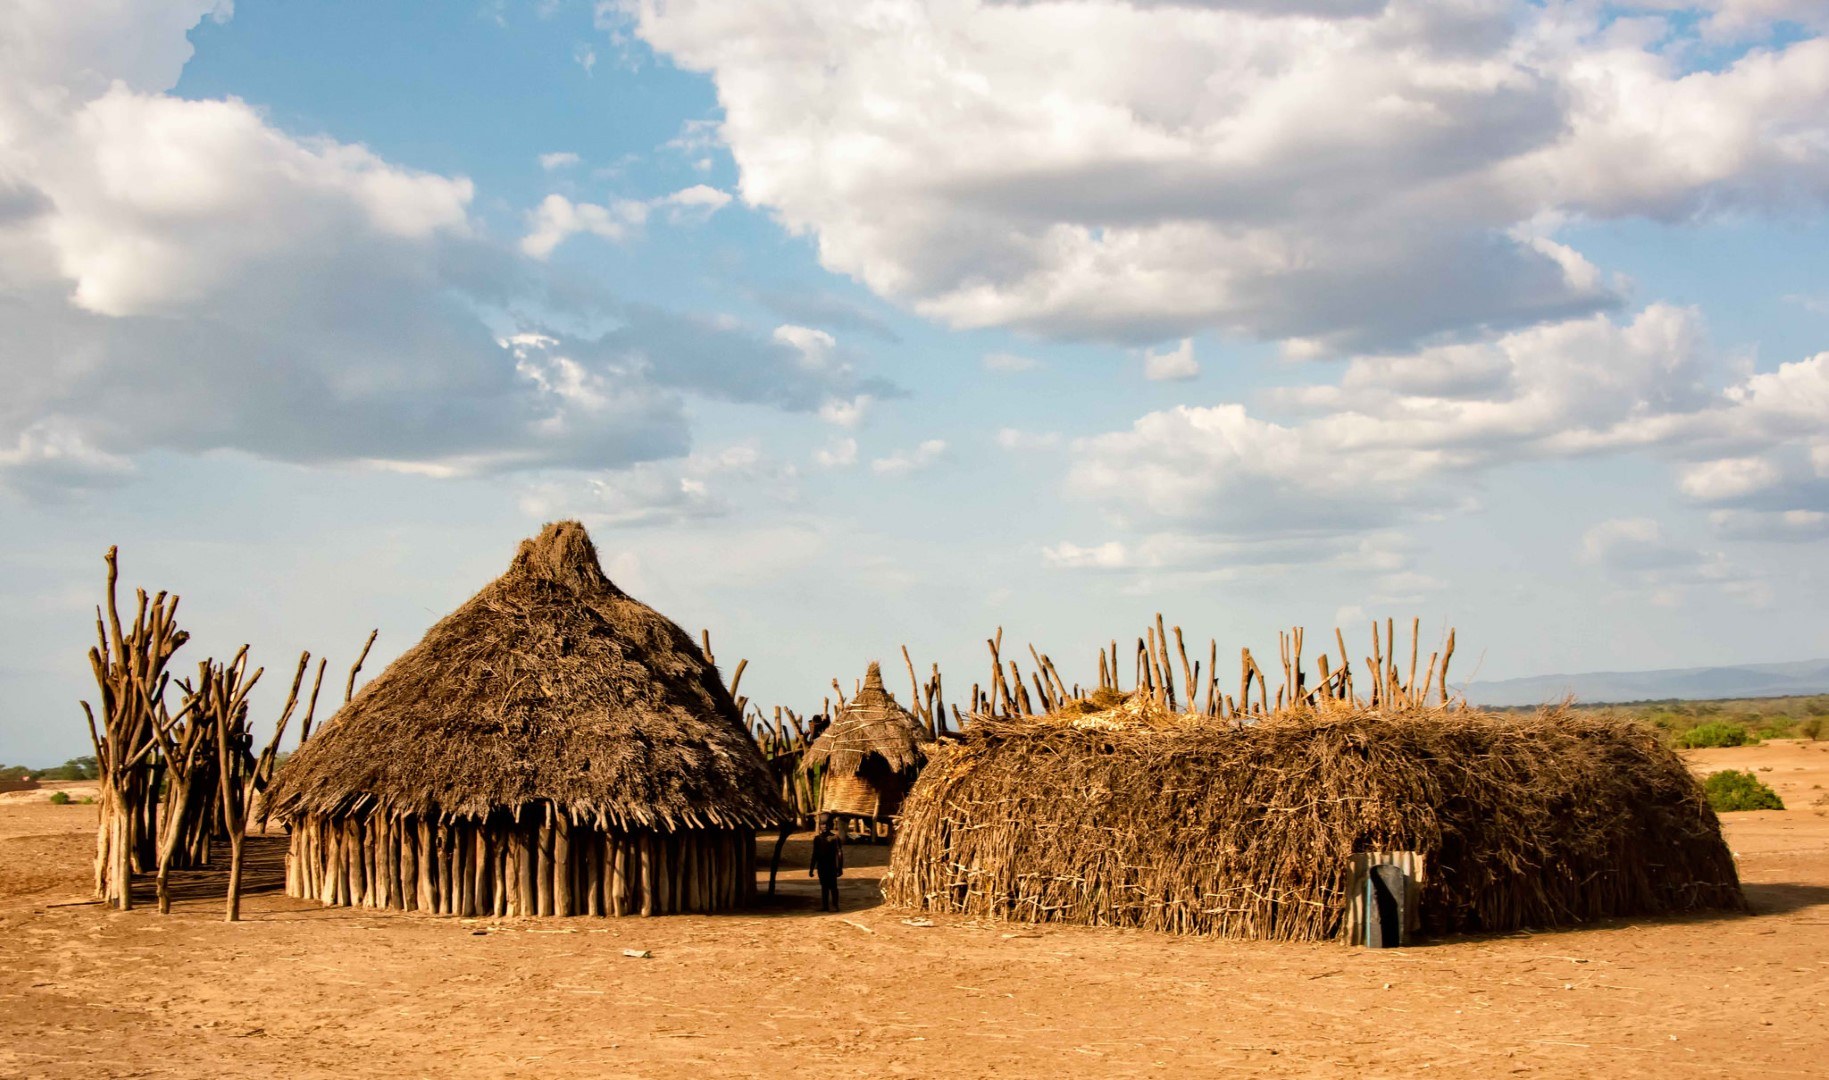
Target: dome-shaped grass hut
{"type": "Point", "coordinates": [1145, 817]}
{"type": "Point", "coordinates": [552, 747]}
{"type": "Point", "coordinates": [872, 752]}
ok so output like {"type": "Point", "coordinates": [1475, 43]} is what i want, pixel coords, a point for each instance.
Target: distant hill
{"type": "Point", "coordinates": [1742, 681]}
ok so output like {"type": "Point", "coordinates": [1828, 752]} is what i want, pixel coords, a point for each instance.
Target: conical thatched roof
{"type": "Point", "coordinates": [870, 724]}
{"type": "Point", "coordinates": [550, 685]}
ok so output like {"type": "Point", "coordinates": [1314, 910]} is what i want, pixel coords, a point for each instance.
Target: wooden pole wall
{"type": "Point", "coordinates": [539, 865]}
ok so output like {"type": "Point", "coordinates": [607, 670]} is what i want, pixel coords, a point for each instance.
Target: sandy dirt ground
{"type": "Point", "coordinates": [300, 990]}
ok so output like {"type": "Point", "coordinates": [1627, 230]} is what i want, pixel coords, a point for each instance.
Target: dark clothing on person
{"type": "Point", "coordinates": [828, 854]}
{"type": "Point", "coordinates": [829, 864]}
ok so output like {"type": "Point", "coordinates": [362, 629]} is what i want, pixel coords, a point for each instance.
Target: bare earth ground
{"type": "Point", "coordinates": [306, 991]}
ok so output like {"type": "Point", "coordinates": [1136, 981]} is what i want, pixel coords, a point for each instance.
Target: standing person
{"type": "Point", "coordinates": [828, 862]}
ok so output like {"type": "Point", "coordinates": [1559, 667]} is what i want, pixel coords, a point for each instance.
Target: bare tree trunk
{"type": "Point", "coordinates": [122, 851]}
{"type": "Point", "coordinates": [174, 836]}
{"type": "Point", "coordinates": [236, 839]}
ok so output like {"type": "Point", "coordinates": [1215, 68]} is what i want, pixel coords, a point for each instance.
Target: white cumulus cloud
{"type": "Point", "coordinates": [700, 200]}
{"type": "Point", "coordinates": [557, 218]}
{"type": "Point", "coordinates": [847, 412]}
{"type": "Point", "coordinates": [1398, 435]}
{"type": "Point", "coordinates": [1110, 555]}
{"type": "Point", "coordinates": [1728, 478]}
{"type": "Point", "coordinates": [838, 454]}
{"type": "Point", "coordinates": [183, 274]}
{"type": "Point", "coordinates": [1175, 365]}
{"type": "Point", "coordinates": [1347, 175]}
{"type": "Point", "coordinates": [903, 462]}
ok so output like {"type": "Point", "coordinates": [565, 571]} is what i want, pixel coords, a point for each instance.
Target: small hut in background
{"type": "Point", "coordinates": [871, 753]}
{"type": "Point", "coordinates": [552, 747]}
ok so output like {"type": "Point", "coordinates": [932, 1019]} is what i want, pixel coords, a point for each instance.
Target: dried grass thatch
{"type": "Point", "coordinates": [870, 754]}
{"type": "Point", "coordinates": [549, 687]}
{"type": "Point", "coordinates": [1140, 816]}
{"type": "Point", "coordinates": [870, 728]}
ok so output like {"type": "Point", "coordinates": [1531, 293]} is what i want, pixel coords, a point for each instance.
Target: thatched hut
{"type": "Point", "coordinates": [871, 753]}
{"type": "Point", "coordinates": [1142, 817]}
{"type": "Point", "coordinates": [552, 747]}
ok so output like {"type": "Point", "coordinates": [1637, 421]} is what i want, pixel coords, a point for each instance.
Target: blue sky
{"type": "Point", "coordinates": [848, 325]}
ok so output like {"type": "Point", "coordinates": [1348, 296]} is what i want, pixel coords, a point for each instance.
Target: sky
{"type": "Point", "coordinates": [852, 324]}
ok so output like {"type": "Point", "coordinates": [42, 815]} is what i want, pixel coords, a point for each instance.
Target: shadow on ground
{"type": "Point", "coordinates": [1782, 898]}
{"type": "Point", "coordinates": [263, 870]}
{"type": "Point", "coordinates": [797, 894]}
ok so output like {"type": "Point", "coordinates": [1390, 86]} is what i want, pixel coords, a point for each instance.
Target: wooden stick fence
{"type": "Point", "coordinates": [1172, 679]}
{"type": "Point", "coordinates": [172, 784]}
{"type": "Point", "coordinates": [539, 861]}
{"type": "Point", "coordinates": [1177, 682]}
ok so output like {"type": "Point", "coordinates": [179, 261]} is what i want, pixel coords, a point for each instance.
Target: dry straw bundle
{"type": "Point", "coordinates": [1119, 810]}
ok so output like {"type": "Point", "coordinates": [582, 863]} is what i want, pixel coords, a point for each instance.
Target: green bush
{"type": "Point", "coordinates": [1717, 733]}
{"type": "Point", "coordinates": [60, 798]}
{"type": "Point", "coordinates": [1813, 728]}
{"type": "Point", "coordinates": [1732, 789]}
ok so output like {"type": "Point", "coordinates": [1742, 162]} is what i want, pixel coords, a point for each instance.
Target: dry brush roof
{"type": "Point", "coordinates": [549, 685]}
{"type": "Point", "coordinates": [871, 725]}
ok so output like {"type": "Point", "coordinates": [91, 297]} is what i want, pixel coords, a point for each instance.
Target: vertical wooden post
{"type": "Point", "coordinates": [473, 842]}
{"type": "Point", "coordinates": [387, 860]}
{"type": "Point", "coordinates": [332, 857]}
{"type": "Point", "coordinates": [667, 875]}
{"type": "Point", "coordinates": [1447, 655]}
{"type": "Point", "coordinates": [593, 879]}
{"type": "Point", "coordinates": [450, 874]}
{"type": "Point", "coordinates": [1416, 631]}
{"type": "Point", "coordinates": [499, 855]}
{"type": "Point", "coordinates": [748, 896]}
{"type": "Point", "coordinates": [372, 864]}
{"type": "Point", "coordinates": [1213, 702]}
{"type": "Point", "coordinates": [620, 874]}
{"type": "Point", "coordinates": [353, 858]}
{"type": "Point", "coordinates": [304, 835]}
{"type": "Point", "coordinates": [457, 885]}
{"type": "Point", "coordinates": [543, 875]}
{"type": "Point", "coordinates": [562, 864]}
{"type": "Point", "coordinates": [696, 859]}
{"type": "Point", "coordinates": [511, 870]}
{"type": "Point", "coordinates": [650, 872]}
{"type": "Point", "coordinates": [526, 843]}
{"type": "Point", "coordinates": [427, 886]}
{"type": "Point", "coordinates": [406, 866]}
